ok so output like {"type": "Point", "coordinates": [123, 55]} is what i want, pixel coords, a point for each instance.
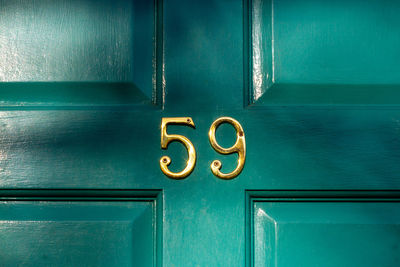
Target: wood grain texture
{"type": "Point", "coordinates": [78, 41]}
{"type": "Point", "coordinates": [287, 148]}
{"type": "Point", "coordinates": [115, 145]}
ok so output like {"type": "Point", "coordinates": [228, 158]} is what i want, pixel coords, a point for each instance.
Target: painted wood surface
{"type": "Point", "coordinates": [51, 49]}
{"type": "Point", "coordinates": [79, 228]}
{"type": "Point", "coordinates": [313, 52]}
{"type": "Point", "coordinates": [326, 233]}
{"type": "Point", "coordinates": [87, 131]}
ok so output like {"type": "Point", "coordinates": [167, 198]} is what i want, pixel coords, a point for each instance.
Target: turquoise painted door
{"type": "Point", "coordinates": [85, 85]}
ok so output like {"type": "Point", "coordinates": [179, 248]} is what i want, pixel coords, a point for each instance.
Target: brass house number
{"type": "Point", "coordinates": [239, 147]}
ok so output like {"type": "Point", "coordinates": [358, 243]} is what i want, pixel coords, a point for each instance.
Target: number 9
{"type": "Point", "coordinates": [239, 147]}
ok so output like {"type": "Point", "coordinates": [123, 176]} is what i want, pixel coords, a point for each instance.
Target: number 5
{"type": "Point", "coordinates": [168, 138]}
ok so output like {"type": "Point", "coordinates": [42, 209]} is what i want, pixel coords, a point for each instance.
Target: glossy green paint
{"type": "Point", "coordinates": [81, 227]}
{"type": "Point", "coordinates": [100, 131]}
{"type": "Point", "coordinates": [61, 46]}
{"type": "Point", "coordinates": [314, 52]}
{"type": "Point", "coordinates": [326, 233]}
{"type": "Point", "coordinates": [326, 230]}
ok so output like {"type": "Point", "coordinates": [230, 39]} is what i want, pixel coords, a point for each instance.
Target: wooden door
{"type": "Point", "coordinates": [85, 85]}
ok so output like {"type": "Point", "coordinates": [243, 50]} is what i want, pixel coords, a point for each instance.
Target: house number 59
{"type": "Point", "coordinates": [239, 147]}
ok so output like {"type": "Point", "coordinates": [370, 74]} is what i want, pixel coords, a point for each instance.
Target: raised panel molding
{"type": "Point", "coordinates": [322, 52]}
{"type": "Point", "coordinates": [323, 228]}
{"type": "Point", "coordinates": [81, 227]}
{"type": "Point", "coordinates": [80, 53]}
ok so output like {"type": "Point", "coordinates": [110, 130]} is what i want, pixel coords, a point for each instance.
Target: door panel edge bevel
{"type": "Point", "coordinates": [252, 196]}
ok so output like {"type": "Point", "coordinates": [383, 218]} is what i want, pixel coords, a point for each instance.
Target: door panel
{"type": "Point", "coordinates": [325, 231]}
{"type": "Point", "coordinates": [63, 53]}
{"type": "Point", "coordinates": [324, 52]}
{"type": "Point", "coordinates": [85, 228]}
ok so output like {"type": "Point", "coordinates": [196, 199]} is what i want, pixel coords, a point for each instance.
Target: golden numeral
{"type": "Point", "coordinates": [168, 138]}
{"type": "Point", "coordinates": [239, 147]}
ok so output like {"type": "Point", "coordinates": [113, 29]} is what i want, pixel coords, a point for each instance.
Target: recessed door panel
{"type": "Point", "coordinates": [77, 233]}
{"type": "Point", "coordinates": [77, 52]}
{"type": "Point", "coordinates": [320, 233]}
{"type": "Point", "coordinates": [324, 52]}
